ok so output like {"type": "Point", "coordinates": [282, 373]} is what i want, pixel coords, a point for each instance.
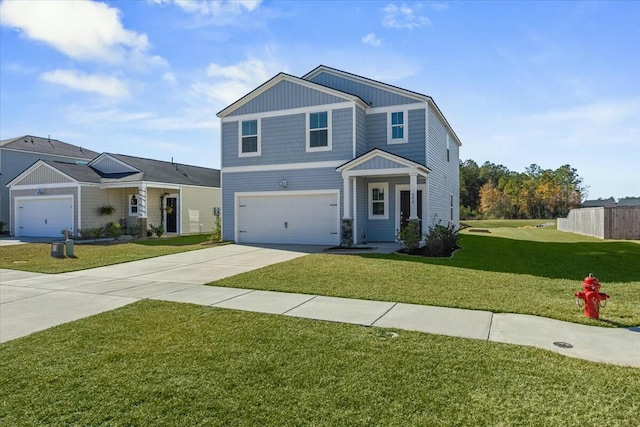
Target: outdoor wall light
{"type": "Point", "coordinates": [39, 191]}
{"type": "Point", "coordinates": [283, 183]}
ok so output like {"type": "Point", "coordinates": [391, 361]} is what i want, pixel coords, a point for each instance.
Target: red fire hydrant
{"type": "Point", "coordinates": [593, 298]}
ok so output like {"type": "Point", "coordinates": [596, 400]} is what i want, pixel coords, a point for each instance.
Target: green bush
{"type": "Point", "coordinates": [158, 231]}
{"type": "Point", "coordinates": [410, 237]}
{"type": "Point", "coordinates": [114, 230]}
{"type": "Point", "coordinates": [216, 234]}
{"type": "Point", "coordinates": [441, 240]}
{"type": "Point", "coordinates": [91, 233]}
{"type": "Point", "coordinates": [134, 230]}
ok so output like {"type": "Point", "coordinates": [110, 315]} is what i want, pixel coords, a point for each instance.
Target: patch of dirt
{"type": "Point", "coordinates": [479, 230]}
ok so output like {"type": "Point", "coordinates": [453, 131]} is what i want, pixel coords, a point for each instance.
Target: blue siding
{"type": "Point", "coordinates": [444, 179]}
{"type": "Point", "coordinates": [414, 149]}
{"type": "Point", "coordinates": [361, 132]}
{"type": "Point", "coordinates": [361, 210]}
{"type": "Point", "coordinates": [378, 163]}
{"type": "Point", "coordinates": [309, 179]}
{"type": "Point", "coordinates": [286, 95]}
{"type": "Point", "coordinates": [374, 96]}
{"type": "Point", "coordinates": [283, 140]}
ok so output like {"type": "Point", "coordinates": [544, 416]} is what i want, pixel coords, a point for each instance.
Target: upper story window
{"type": "Point", "coordinates": [249, 144]}
{"type": "Point", "coordinates": [133, 205]}
{"type": "Point", "coordinates": [378, 200]}
{"type": "Point", "coordinates": [397, 127]}
{"type": "Point", "coordinates": [319, 131]}
{"type": "Point", "coordinates": [448, 150]}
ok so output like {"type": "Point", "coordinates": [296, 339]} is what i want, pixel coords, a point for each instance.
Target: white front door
{"type": "Point", "coordinates": [291, 218]}
{"type": "Point", "coordinates": [43, 216]}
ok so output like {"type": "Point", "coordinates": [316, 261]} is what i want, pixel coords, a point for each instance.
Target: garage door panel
{"type": "Point", "coordinates": [290, 219]}
{"type": "Point", "coordinates": [43, 217]}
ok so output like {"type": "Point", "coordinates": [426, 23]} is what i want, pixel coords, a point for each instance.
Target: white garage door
{"type": "Point", "coordinates": [310, 219]}
{"type": "Point", "coordinates": [43, 217]}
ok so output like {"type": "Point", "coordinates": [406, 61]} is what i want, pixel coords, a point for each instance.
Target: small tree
{"type": "Point", "coordinates": [216, 234]}
{"type": "Point", "coordinates": [157, 230]}
{"type": "Point", "coordinates": [409, 236]}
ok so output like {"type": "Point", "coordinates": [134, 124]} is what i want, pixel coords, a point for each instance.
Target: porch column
{"type": "Point", "coordinates": [346, 197]}
{"type": "Point", "coordinates": [413, 192]}
{"type": "Point", "coordinates": [142, 209]}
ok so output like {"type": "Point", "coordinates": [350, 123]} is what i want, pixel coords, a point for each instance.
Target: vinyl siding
{"type": "Point", "coordinates": [286, 95]}
{"type": "Point", "coordinates": [413, 149]}
{"type": "Point", "coordinates": [43, 175]}
{"type": "Point", "coordinates": [378, 163]}
{"type": "Point", "coordinates": [312, 179]}
{"type": "Point", "coordinates": [361, 132]}
{"type": "Point", "coordinates": [283, 140]}
{"type": "Point", "coordinates": [362, 210]}
{"type": "Point", "coordinates": [444, 179]}
{"type": "Point", "coordinates": [197, 209]}
{"type": "Point", "coordinates": [374, 96]}
{"type": "Point", "coordinates": [93, 198]}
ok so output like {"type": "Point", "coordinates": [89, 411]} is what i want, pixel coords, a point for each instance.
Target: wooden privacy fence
{"type": "Point", "coordinates": [606, 223]}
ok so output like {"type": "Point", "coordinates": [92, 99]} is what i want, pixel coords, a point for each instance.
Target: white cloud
{"type": "Point", "coordinates": [81, 29]}
{"type": "Point", "coordinates": [403, 17]}
{"type": "Point", "coordinates": [214, 7]}
{"type": "Point", "coordinates": [439, 6]}
{"type": "Point", "coordinates": [104, 85]}
{"type": "Point", "coordinates": [169, 78]}
{"type": "Point", "coordinates": [371, 40]}
{"type": "Point", "coordinates": [226, 84]}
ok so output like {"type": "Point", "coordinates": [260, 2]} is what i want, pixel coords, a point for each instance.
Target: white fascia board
{"type": "Point", "coordinates": [137, 184]}
{"type": "Point", "coordinates": [396, 108]}
{"type": "Point", "coordinates": [34, 167]}
{"type": "Point", "coordinates": [384, 172]}
{"type": "Point", "coordinates": [283, 166]}
{"type": "Point", "coordinates": [289, 112]}
{"type": "Point", "coordinates": [444, 121]}
{"type": "Point", "coordinates": [378, 153]}
{"type": "Point", "coordinates": [44, 186]}
{"type": "Point", "coordinates": [285, 77]}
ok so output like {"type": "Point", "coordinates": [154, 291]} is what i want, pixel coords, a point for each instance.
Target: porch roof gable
{"type": "Point", "coordinates": [380, 162]}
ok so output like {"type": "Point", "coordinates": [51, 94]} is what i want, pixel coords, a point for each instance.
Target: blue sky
{"type": "Point", "coordinates": [544, 82]}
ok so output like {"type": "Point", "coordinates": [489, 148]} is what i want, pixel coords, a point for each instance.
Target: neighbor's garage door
{"type": "Point", "coordinates": [295, 219]}
{"type": "Point", "coordinates": [43, 217]}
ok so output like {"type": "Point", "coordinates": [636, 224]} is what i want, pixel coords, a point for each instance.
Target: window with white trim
{"type": "Point", "coordinates": [397, 132]}
{"type": "Point", "coordinates": [448, 150]}
{"type": "Point", "coordinates": [378, 200]}
{"type": "Point", "coordinates": [133, 205]}
{"type": "Point", "coordinates": [319, 131]}
{"type": "Point", "coordinates": [249, 144]}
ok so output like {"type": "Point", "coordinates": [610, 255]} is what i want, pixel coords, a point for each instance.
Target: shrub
{"type": "Point", "coordinates": [91, 233]}
{"type": "Point", "coordinates": [409, 237]}
{"type": "Point", "coordinates": [216, 234]}
{"type": "Point", "coordinates": [441, 240]}
{"type": "Point", "coordinates": [106, 210]}
{"type": "Point", "coordinates": [134, 230]}
{"type": "Point", "coordinates": [158, 231]}
{"type": "Point", "coordinates": [114, 230]}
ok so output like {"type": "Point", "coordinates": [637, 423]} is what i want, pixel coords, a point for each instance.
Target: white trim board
{"type": "Point", "coordinates": [284, 166]}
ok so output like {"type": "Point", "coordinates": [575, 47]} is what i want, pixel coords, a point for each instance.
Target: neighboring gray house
{"type": "Point", "coordinates": [333, 158]}
{"type": "Point", "coordinates": [629, 201]}
{"type": "Point", "coordinates": [50, 195]}
{"type": "Point", "coordinates": [17, 154]}
{"type": "Point", "coordinates": [600, 203]}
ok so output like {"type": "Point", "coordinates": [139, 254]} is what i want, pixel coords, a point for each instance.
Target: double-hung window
{"type": "Point", "coordinates": [378, 200]}
{"type": "Point", "coordinates": [133, 205]}
{"type": "Point", "coordinates": [249, 138]}
{"type": "Point", "coordinates": [319, 131]}
{"type": "Point", "coordinates": [397, 127]}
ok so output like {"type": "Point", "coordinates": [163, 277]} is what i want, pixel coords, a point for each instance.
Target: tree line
{"type": "Point", "coordinates": [493, 191]}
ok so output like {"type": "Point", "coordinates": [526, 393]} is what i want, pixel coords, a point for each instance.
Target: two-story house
{"type": "Point", "coordinates": [334, 158]}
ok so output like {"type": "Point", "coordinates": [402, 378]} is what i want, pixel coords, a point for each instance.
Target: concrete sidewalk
{"type": "Point", "coordinates": [32, 302]}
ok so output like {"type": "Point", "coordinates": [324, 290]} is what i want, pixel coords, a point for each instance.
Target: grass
{"type": "Point", "coordinates": [160, 363]}
{"type": "Point", "coordinates": [515, 270]}
{"type": "Point", "coordinates": [36, 256]}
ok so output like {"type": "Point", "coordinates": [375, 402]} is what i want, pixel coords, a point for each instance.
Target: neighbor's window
{"type": "Point", "coordinates": [319, 138]}
{"type": "Point", "coordinates": [133, 205]}
{"type": "Point", "coordinates": [397, 127]}
{"type": "Point", "coordinates": [249, 138]}
{"type": "Point", "coordinates": [379, 200]}
{"type": "Point", "coordinates": [448, 151]}
{"type": "Point", "coordinates": [451, 205]}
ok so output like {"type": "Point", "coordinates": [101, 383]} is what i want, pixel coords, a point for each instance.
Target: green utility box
{"type": "Point", "coordinates": [68, 247]}
{"type": "Point", "coordinates": [57, 249]}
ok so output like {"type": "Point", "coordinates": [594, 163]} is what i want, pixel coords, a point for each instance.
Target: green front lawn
{"type": "Point", "coordinates": [36, 256]}
{"type": "Point", "coordinates": [515, 270]}
{"type": "Point", "coordinates": [169, 364]}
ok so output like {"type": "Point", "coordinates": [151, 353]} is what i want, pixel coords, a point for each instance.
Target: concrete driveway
{"type": "Point", "coordinates": [31, 302]}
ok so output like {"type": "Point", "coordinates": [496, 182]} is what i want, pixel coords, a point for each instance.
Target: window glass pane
{"type": "Point", "coordinates": [318, 120]}
{"type": "Point", "coordinates": [249, 127]}
{"type": "Point", "coordinates": [318, 138]}
{"type": "Point", "coordinates": [397, 118]}
{"type": "Point", "coordinates": [378, 194]}
{"type": "Point", "coordinates": [250, 144]}
{"type": "Point", "coordinates": [378, 208]}
{"type": "Point", "coordinates": [397, 132]}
